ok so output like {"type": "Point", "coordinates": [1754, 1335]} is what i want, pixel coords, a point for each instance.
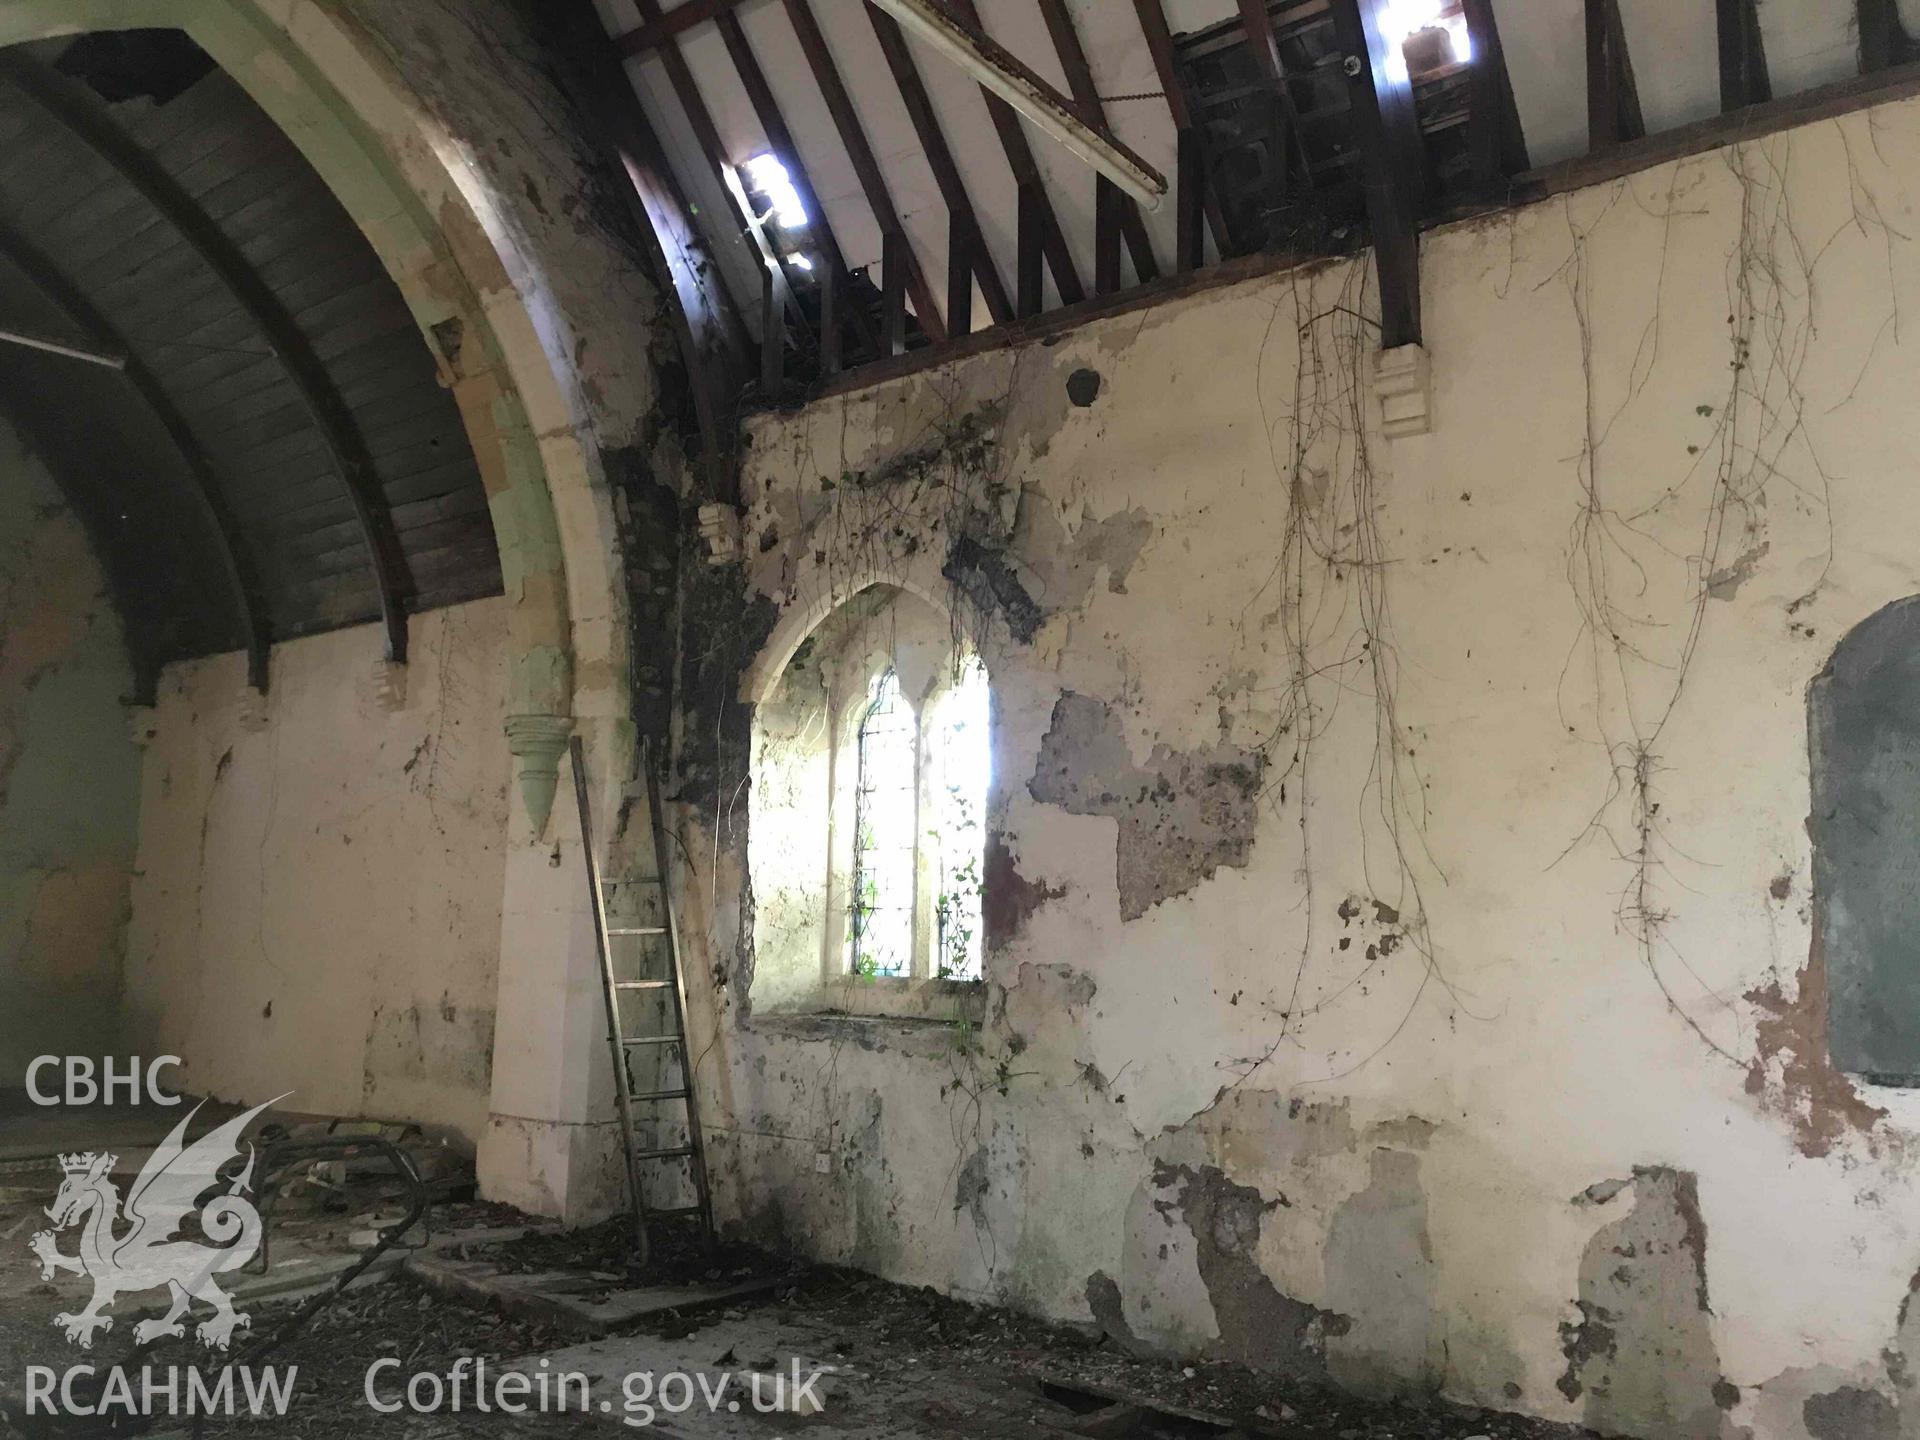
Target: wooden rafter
{"type": "Point", "coordinates": [946, 174]}
{"type": "Point", "coordinates": [866, 166]}
{"type": "Point", "coordinates": [1153, 24]}
{"type": "Point", "coordinates": [707, 136]}
{"type": "Point", "coordinates": [708, 329]}
{"type": "Point", "coordinates": [1284, 120]}
{"type": "Point", "coordinates": [1026, 175]}
{"type": "Point", "coordinates": [243, 584]}
{"type": "Point", "coordinates": [331, 416]}
{"type": "Point", "coordinates": [1387, 132]}
{"type": "Point", "coordinates": [1613, 100]}
{"type": "Point", "coordinates": [1498, 145]}
{"type": "Point", "coordinates": [773, 124]}
{"type": "Point", "coordinates": [1884, 41]}
{"type": "Point", "coordinates": [1118, 209]}
{"type": "Point", "coordinates": [1743, 55]}
{"type": "Point", "coordinates": [656, 29]}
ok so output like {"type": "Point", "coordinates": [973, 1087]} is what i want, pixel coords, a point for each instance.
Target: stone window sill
{"type": "Point", "coordinates": [868, 1008]}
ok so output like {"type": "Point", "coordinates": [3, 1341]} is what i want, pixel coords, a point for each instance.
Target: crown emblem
{"type": "Point", "coordinates": [81, 1164]}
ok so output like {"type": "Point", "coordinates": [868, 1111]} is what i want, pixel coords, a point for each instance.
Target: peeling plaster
{"type": "Point", "coordinates": [1791, 1073]}
{"type": "Point", "coordinates": [1641, 1356]}
{"type": "Point", "coordinates": [1259, 1326]}
{"type": "Point", "coordinates": [1182, 815]}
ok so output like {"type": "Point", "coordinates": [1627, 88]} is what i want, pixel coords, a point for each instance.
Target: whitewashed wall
{"type": "Point", "coordinates": [316, 906]}
{"type": "Point", "coordinates": [69, 778]}
{"type": "Point", "coordinates": [1451, 1022]}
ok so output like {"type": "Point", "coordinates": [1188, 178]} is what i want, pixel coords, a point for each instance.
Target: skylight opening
{"type": "Point", "coordinates": [1400, 19]}
{"type": "Point", "coordinates": [769, 177]}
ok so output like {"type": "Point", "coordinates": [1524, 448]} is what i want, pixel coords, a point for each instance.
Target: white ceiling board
{"type": "Point", "coordinates": [617, 16]}
{"type": "Point", "coordinates": [1187, 15]}
{"type": "Point", "coordinates": [1808, 42]}
{"type": "Point", "coordinates": [890, 135]}
{"type": "Point", "coordinates": [1546, 48]}
{"type": "Point", "coordinates": [719, 84]}
{"type": "Point", "coordinates": [733, 253]}
{"type": "Point", "coordinates": [805, 110]}
{"type": "Point", "coordinates": [1019, 26]}
{"type": "Point", "coordinates": [963, 117]}
{"type": "Point", "coordinates": [1675, 50]}
{"type": "Point", "coordinates": [1122, 65]}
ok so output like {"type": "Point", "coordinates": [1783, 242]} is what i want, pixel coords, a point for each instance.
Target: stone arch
{"type": "Point", "coordinates": [511, 291]}
{"type": "Point", "coordinates": [818, 595]}
{"type": "Point", "coordinates": [482, 301]}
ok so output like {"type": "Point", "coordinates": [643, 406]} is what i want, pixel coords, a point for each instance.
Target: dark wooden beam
{"type": "Point", "coordinates": [1883, 39]}
{"type": "Point", "coordinates": [866, 166]}
{"type": "Point", "coordinates": [1807, 107]}
{"type": "Point", "coordinates": [1153, 24]}
{"type": "Point", "coordinates": [1283, 121]}
{"type": "Point", "coordinates": [1190, 191]}
{"type": "Point", "coordinates": [1086, 94]}
{"type": "Point", "coordinates": [1065, 319]}
{"type": "Point", "coordinates": [773, 124]}
{"type": "Point", "coordinates": [1743, 55]}
{"type": "Point", "coordinates": [963, 239]}
{"type": "Point", "coordinates": [655, 31]}
{"type": "Point", "coordinates": [709, 330]}
{"type": "Point", "coordinates": [1106, 236]}
{"type": "Point", "coordinates": [1387, 132]}
{"type": "Point", "coordinates": [707, 136]}
{"type": "Point", "coordinates": [1029, 245]}
{"type": "Point", "coordinates": [897, 270]}
{"type": "Point", "coordinates": [1026, 174]}
{"type": "Point", "coordinates": [332, 418]}
{"type": "Point", "coordinates": [1802, 107]}
{"type": "Point", "coordinates": [1256, 22]}
{"type": "Point", "coordinates": [1613, 101]}
{"type": "Point", "coordinates": [773, 336]}
{"type": "Point", "coordinates": [242, 581]}
{"type": "Point", "coordinates": [1496, 141]}
{"type": "Point", "coordinates": [946, 173]}
{"type": "Point", "coordinates": [830, 320]}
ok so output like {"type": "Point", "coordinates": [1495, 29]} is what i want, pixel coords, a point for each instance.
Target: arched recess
{"type": "Point", "coordinates": [482, 301]}
{"type": "Point", "coordinates": [821, 589]}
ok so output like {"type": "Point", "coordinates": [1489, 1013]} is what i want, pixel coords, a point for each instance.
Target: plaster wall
{"type": "Point", "coordinates": [1400, 956]}
{"type": "Point", "coordinates": [318, 897]}
{"type": "Point", "coordinates": [69, 778]}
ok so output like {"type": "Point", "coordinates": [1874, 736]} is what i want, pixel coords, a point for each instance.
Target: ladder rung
{"type": "Point", "coordinates": [655, 1040]}
{"type": "Point", "coordinates": [673, 1210]}
{"type": "Point", "coordinates": [672, 1152]}
{"type": "Point", "coordinates": [680, 1094]}
{"type": "Point", "coordinates": [629, 880]}
{"type": "Point", "coordinates": [636, 930]}
{"type": "Point", "coordinates": [641, 984]}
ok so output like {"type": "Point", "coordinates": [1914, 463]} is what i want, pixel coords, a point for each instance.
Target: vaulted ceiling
{"type": "Point", "coordinates": [274, 454]}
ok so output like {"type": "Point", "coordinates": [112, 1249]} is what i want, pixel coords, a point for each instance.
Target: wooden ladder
{"type": "Point", "coordinates": [624, 1043]}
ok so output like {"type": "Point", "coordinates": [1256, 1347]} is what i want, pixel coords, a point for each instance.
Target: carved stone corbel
{"type": "Point", "coordinates": [537, 742]}
{"type": "Point", "coordinates": [1403, 379]}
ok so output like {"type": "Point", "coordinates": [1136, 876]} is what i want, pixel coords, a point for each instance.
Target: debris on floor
{"type": "Point", "coordinates": [730, 1343]}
